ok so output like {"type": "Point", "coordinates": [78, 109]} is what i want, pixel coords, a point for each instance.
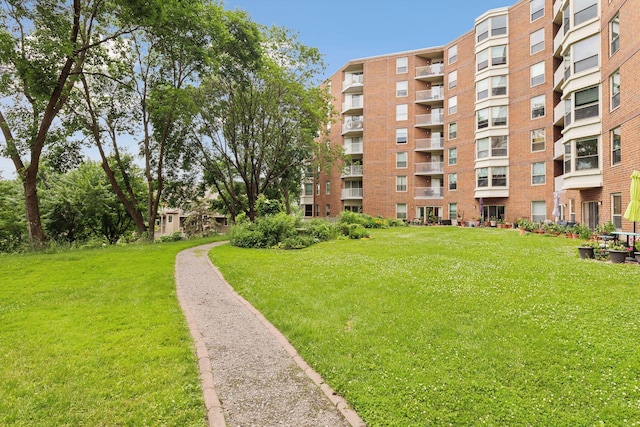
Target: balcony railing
{"type": "Point", "coordinates": [430, 144]}
{"type": "Point", "coordinates": [352, 193]}
{"type": "Point", "coordinates": [430, 168]}
{"type": "Point", "coordinates": [354, 80]}
{"type": "Point", "coordinates": [352, 125]}
{"type": "Point", "coordinates": [353, 170]}
{"type": "Point", "coordinates": [435, 94]}
{"type": "Point", "coordinates": [429, 192]}
{"type": "Point", "coordinates": [430, 70]}
{"type": "Point", "coordinates": [430, 119]}
{"type": "Point", "coordinates": [353, 148]}
{"type": "Point", "coordinates": [351, 104]}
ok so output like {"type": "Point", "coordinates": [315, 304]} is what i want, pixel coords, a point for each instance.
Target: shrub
{"type": "Point", "coordinates": [174, 237]}
{"type": "Point", "coordinates": [296, 242]}
{"type": "Point", "coordinates": [265, 232]}
{"type": "Point", "coordinates": [265, 207]}
{"type": "Point", "coordinates": [321, 230]}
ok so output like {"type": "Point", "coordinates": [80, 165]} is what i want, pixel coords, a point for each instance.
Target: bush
{"type": "Point", "coordinates": [321, 230]}
{"type": "Point", "coordinates": [175, 237]}
{"type": "Point", "coordinates": [265, 232]}
{"type": "Point", "coordinates": [356, 231]}
{"type": "Point", "coordinates": [296, 242]}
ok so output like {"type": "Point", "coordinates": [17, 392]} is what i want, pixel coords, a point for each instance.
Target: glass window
{"type": "Point", "coordinates": [499, 25]}
{"type": "Point", "coordinates": [616, 153]}
{"type": "Point", "coordinates": [401, 211]}
{"type": "Point", "coordinates": [482, 31]}
{"type": "Point", "coordinates": [615, 90]}
{"type": "Point", "coordinates": [482, 89]}
{"type": "Point", "coordinates": [452, 54]}
{"type": "Point", "coordinates": [453, 130]}
{"type": "Point", "coordinates": [401, 160]}
{"type": "Point", "coordinates": [317, 210]}
{"type": "Point", "coordinates": [327, 187]}
{"type": "Point", "coordinates": [586, 54]}
{"type": "Point", "coordinates": [482, 120]}
{"type": "Point", "coordinates": [567, 158]}
{"type": "Point", "coordinates": [482, 148]}
{"type": "Point", "coordinates": [499, 146]}
{"type": "Point", "coordinates": [453, 181]}
{"type": "Point", "coordinates": [536, 41]}
{"type": "Point", "coordinates": [308, 189]}
{"type": "Point", "coordinates": [308, 210]}
{"type": "Point", "coordinates": [453, 104]}
{"type": "Point", "coordinates": [401, 136]}
{"type": "Point", "coordinates": [482, 177]}
{"type": "Point", "coordinates": [499, 55]}
{"type": "Point", "coordinates": [587, 103]}
{"type": "Point", "coordinates": [317, 189]}
{"type": "Point", "coordinates": [402, 65]}
{"type": "Point", "coordinates": [584, 10]}
{"type": "Point", "coordinates": [538, 173]}
{"type": "Point", "coordinates": [587, 154]}
{"type": "Point", "coordinates": [401, 183]}
{"type": "Point", "coordinates": [536, 71]}
{"type": "Point", "coordinates": [453, 156]}
{"type": "Point", "coordinates": [614, 35]}
{"type": "Point", "coordinates": [539, 211]}
{"type": "Point", "coordinates": [499, 116]}
{"type": "Point", "coordinates": [537, 9]}
{"type": "Point", "coordinates": [328, 209]}
{"type": "Point", "coordinates": [499, 177]}
{"type": "Point", "coordinates": [538, 137]}
{"type": "Point", "coordinates": [616, 210]}
{"type": "Point", "coordinates": [453, 79]}
{"type": "Point", "coordinates": [402, 88]}
{"type": "Point", "coordinates": [453, 211]}
{"type": "Point", "coordinates": [402, 112]}
{"type": "Point", "coordinates": [537, 106]}
{"type": "Point", "coordinates": [482, 59]}
{"type": "Point", "coordinates": [498, 85]}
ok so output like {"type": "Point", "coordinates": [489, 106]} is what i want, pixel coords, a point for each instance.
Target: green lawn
{"type": "Point", "coordinates": [96, 338]}
{"type": "Point", "coordinates": [451, 326]}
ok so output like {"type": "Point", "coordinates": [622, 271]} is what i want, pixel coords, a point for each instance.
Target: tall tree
{"type": "Point", "coordinates": [259, 127]}
{"type": "Point", "coordinates": [43, 48]}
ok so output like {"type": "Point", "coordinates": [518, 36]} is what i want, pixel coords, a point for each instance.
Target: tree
{"type": "Point", "coordinates": [43, 48]}
{"type": "Point", "coordinates": [13, 228]}
{"type": "Point", "coordinates": [259, 127]}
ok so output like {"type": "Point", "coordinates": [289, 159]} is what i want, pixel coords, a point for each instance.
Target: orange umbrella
{"type": "Point", "coordinates": [633, 210]}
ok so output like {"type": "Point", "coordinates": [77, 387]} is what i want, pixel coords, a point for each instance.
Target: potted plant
{"type": "Point", "coordinates": [605, 229]}
{"type": "Point", "coordinates": [587, 249]}
{"type": "Point", "coordinates": [617, 252]}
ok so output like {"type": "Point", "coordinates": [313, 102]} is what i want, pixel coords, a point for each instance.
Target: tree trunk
{"type": "Point", "coordinates": [32, 207]}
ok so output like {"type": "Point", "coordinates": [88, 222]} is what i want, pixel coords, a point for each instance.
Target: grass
{"type": "Point", "coordinates": [449, 326]}
{"type": "Point", "coordinates": [96, 337]}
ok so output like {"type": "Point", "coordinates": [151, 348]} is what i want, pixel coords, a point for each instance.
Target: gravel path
{"type": "Point", "coordinates": [251, 375]}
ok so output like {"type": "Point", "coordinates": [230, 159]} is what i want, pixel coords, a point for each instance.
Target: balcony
{"type": "Point", "coordinates": [558, 149]}
{"type": "Point", "coordinates": [558, 78]}
{"type": "Point", "coordinates": [353, 83]}
{"type": "Point", "coordinates": [352, 171]}
{"type": "Point", "coordinates": [353, 125]}
{"type": "Point", "coordinates": [351, 193]}
{"type": "Point", "coordinates": [353, 148]}
{"type": "Point", "coordinates": [430, 72]}
{"type": "Point", "coordinates": [353, 105]}
{"type": "Point", "coordinates": [430, 96]}
{"type": "Point", "coordinates": [430, 120]}
{"type": "Point", "coordinates": [430, 168]}
{"type": "Point", "coordinates": [558, 114]}
{"type": "Point", "coordinates": [429, 144]}
{"type": "Point", "coordinates": [429, 192]}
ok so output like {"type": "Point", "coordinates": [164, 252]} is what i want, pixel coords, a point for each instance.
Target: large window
{"type": "Point", "coordinates": [538, 173]}
{"type": "Point", "coordinates": [453, 211]}
{"type": "Point", "coordinates": [453, 156]}
{"type": "Point", "coordinates": [537, 9]}
{"type": "Point", "coordinates": [586, 154]}
{"type": "Point", "coordinates": [616, 153]}
{"type": "Point", "coordinates": [453, 79]}
{"type": "Point", "coordinates": [586, 54]}
{"type": "Point", "coordinates": [402, 112]}
{"type": "Point", "coordinates": [536, 41]}
{"type": "Point", "coordinates": [453, 130]}
{"type": "Point", "coordinates": [401, 183]}
{"type": "Point", "coordinates": [538, 137]}
{"type": "Point", "coordinates": [494, 86]}
{"type": "Point", "coordinates": [453, 181]}
{"type": "Point", "coordinates": [584, 10]}
{"type": "Point", "coordinates": [401, 160]}
{"type": "Point", "coordinates": [452, 54]}
{"type": "Point", "coordinates": [308, 189]}
{"type": "Point", "coordinates": [496, 146]}
{"type": "Point", "coordinates": [482, 89]}
{"type": "Point", "coordinates": [493, 211]}
{"type": "Point", "coordinates": [537, 106]}
{"type": "Point", "coordinates": [614, 35]}
{"type": "Point", "coordinates": [498, 116]}
{"type": "Point", "coordinates": [536, 72]}
{"type": "Point", "coordinates": [496, 176]}
{"type": "Point", "coordinates": [402, 65]}
{"type": "Point", "coordinates": [402, 88]}
{"type": "Point", "coordinates": [498, 57]}
{"type": "Point", "coordinates": [587, 103]}
{"type": "Point", "coordinates": [616, 209]}
{"type": "Point", "coordinates": [482, 59]}
{"type": "Point", "coordinates": [401, 211]}
{"type": "Point", "coordinates": [614, 81]}
{"type": "Point", "coordinates": [539, 211]}
{"type": "Point", "coordinates": [495, 26]}
{"type": "Point", "coordinates": [401, 136]}
{"type": "Point", "coordinates": [453, 104]}
{"type": "Point", "coordinates": [482, 175]}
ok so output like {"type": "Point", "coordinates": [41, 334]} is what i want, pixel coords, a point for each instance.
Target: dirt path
{"type": "Point", "coordinates": [251, 375]}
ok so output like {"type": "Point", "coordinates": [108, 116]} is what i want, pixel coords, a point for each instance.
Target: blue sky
{"type": "Point", "coordinates": [353, 29]}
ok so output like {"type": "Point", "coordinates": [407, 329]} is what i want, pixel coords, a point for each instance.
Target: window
{"type": "Point", "coordinates": [536, 71]}
{"type": "Point", "coordinates": [318, 189]}
{"type": "Point", "coordinates": [587, 103]}
{"type": "Point", "coordinates": [482, 59]}
{"type": "Point", "coordinates": [401, 183]}
{"type": "Point", "coordinates": [583, 10]}
{"type": "Point", "coordinates": [482, 175]}
{"type": "Point", "coordinates": [482, 89]}
{"type": "Point", "coordinates": [328, 208]}
{"type": "Point", "coordinates": [402, 112]}
{"type": "Point", "coordinates": [587, 154]}
{"type": "Point", "coordinates": [538, 137]}
{"type": "Point", "coordinates": [499, 177]}
{"type": "Point", "coordinates": [482, 118]}
{"type": "Point", "coordinates": [353, 101]}
{"type": "Point", "coordinates": [453, 210]}
{"type": "Point", "coordinates": [498, 25]}
{"type": "Point", "coordinates": [452, 54]}
{"type": "Point", "coordinates": [453, 104]}
{"type": "Point", "coordinates": [401, 160]}
{"type": "Point", "coordinates": [539, 211]}
{"type": "Point", "coordinates": [496, 146]}
{"type": "Point", "coordinates": [453, 79]}
{"type": "Point", "coordinates": [498, 85]}
{"type": "Point", "coordinates": [308, 210]}
{"type": "Point", "coordinates": [538, 173]}
{"type": "Point", "coordinates": [170, 218]}
{"type": "Point", "coordinates": [453, 181]}
{"type": "Point", "coordinates": [401, 211]}
{"type": "Point", "coordinates": [401, 136]}
{"type": "Point", "coordinates": [567, 158]}
{"type": "Point", "coordinates": [614, 35]}
{"type": "Point", "coordinates": [453, 130]}
{"type": "Point", "coordinates": [482, 31]}
{"type": "Point", "coordinates": [536, 41]}
{"type": "Point", "coordinates": [616, 153]}
{"type": "Point", "coordinates": [493, 211]}
{"type": "Point", "coordinates": [537, 9]}
{"type": "Point", "coordinates": [402, 88]}
{"type": "Point", "coordinates": [482, 148]}
{"type": "Point", "coordinates": [453, 156]}
{"type": "Point", "coordinates": [317, 210]}
{"type": "Point", "coordinates": [308, 189]}
{"type": "Point", "coordinates": [586, 54]}
{"type": "Point", "coordinates": [499, 55]}
{"type": "Point", "coordinates": [537, 106]}
{"type": "Point", "coordinates": [499, 116]}
{"type": "Point", "coordinates": [616, 210]}
{"type": "Point", "coordinates": [402, 65]}
{"type": "Point", "coordinates": [327, 187]}
{"type": "Point", "coordinates": [615, 89]}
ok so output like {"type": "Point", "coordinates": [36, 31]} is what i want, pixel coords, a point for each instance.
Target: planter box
{"type": "Point", "coordinates": [586, 252]}
{"type": "Point", "coordinates": [618, 257]}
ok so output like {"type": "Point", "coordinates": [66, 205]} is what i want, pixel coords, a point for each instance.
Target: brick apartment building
{"type": "Point", "coordinates": [534, 113]}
